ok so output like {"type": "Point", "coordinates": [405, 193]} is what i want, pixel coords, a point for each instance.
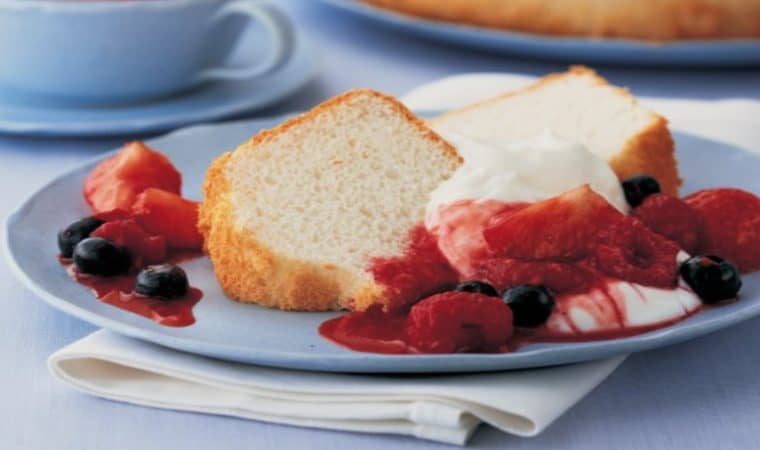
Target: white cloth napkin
{"type": "Point", "coordinates": [440, 408]}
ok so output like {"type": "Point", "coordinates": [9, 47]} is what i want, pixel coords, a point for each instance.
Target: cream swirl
{"type": "Point", "coordinates": [523, 171]}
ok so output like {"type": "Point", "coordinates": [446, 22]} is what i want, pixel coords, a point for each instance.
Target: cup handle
{"type": "Point", "coordinates": [278, 26]}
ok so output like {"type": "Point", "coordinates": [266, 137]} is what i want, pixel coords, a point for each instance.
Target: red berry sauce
{"type": "Point", "coordinates": [119, 291]}
{"type": "Point", "coordinates": [422, 270]}
{"type": "Point", "coordinates": [622, 250]}
{"type": "Point", "coordinates": [374, 331]}
{"type": "Point", "coordinates": [371, 331]}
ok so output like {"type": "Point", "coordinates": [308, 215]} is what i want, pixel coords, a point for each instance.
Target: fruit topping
{"type": "Point", "coordinates": [420, 272]}
{"type": "Point", "coordinates": [167, 214]}
{"type": "Point", "coordinates": [531, 305]}
{"type": "Point", "coordinates": [371, 330]}
{"type": "Point", "coordinates": [70, 236]}
{"type": "Point", "coordinates": [116, 182]}
{"type": "Point", "coordinates": [98, 256]}
{"type": "Point", "coordinates": [477, 287]}
{"type": "Point", "coordinates": [165, 281]}
{"type": "Point", "coordinates": [144, 248]}
{"type": "Point", "coordinates": [731, 225]}
{"type": "Point", "coordinates": [459, 322]}
{"type": "Point", "coordinates": [672, 218]}
{"type": "Point", "coordinates": [560, 277]}
{"type": "Point", "coordinates": [113, 214]}
{"type": "Point", "coordinates": [458, 228]}
{"type": "Point", "coordinates": [563, 242]}
{"type": "Point", "coordinates": [712, 278]}
{"type": "Point", "coordinates": [563, 227]}
{"type": "Point", "coordinates": [638, 188]}
{"type": "Point", "coordinates": [630, 251]}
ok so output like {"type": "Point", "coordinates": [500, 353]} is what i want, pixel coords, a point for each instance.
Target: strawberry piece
{"type": "Point", "coordinates": [560, 228]}
{"type": "Point", "coordinates": [144, 248]}
{"type": "Point", "coordinates": [672, 218]}
{"type": "Point", "coordinates": [116, 182]}
{"type": "Point", "coordinates": [630, 251]}
{"type": "Point", "coordinates": [164, 213]}
{"type": "Point", "coordinates": [459, 322]}
{"type": "Point", "coordinates": [565, 242]}
{"type": "Point", "coordinates": [504, 273]}
{"type": "Point", "coordinates": [731, 225]}
{"type": "Point", "coordinates": [113, 214]}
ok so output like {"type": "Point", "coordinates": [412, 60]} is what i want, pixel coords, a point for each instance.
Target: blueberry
{"type": "Point", "coordinates": [477, 287]}
{"type": "Point", "coordinates": [69, 237]}
{"type": "Point", "coordinates": [637, 188]}
{"type": "Point", "coordinates": [164, 281]}
{"type": "Point", "coordinates": [531, 305]}
{"type": "Point", "coordinates": [712, 278]}
{"type": "Point", "coordinates": [98, 256]}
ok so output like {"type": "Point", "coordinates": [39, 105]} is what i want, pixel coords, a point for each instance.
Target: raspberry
{"type": "Point", "coordinates": [672, 218]}
{"type": "Point", "coordinates": [459, 322]}
{"type": "Point", "coordinates": [731, 225]}
{"type": "Point", "coordinates": [632, 252]}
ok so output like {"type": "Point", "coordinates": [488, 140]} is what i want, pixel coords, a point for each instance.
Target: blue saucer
{"type": "Point", "coordinates": [210, 102]}
{"type": "Point", "coordinates": [686, 53]}
{"type": "Point", "coordinates": [251, 334]}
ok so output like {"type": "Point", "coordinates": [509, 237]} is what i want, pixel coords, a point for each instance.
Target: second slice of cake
{"type": "Point", "coordinates": [579, 106]}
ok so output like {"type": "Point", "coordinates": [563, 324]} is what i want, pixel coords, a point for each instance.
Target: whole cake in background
{"type": "Point", "coordinates": [655, 20]}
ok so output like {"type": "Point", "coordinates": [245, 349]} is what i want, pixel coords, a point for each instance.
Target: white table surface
{"type": "Point", "coordinates": [704, 394]}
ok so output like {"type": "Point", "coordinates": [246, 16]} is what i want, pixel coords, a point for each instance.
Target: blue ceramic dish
{"type": "Point", "coordinates": [252, 334]}
{"type": "Point", "coordinates": [687, 53]}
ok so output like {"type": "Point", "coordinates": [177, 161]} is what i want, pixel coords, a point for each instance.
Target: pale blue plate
{"type": "Point", "coordinates": [33, 116]}
{"type": "Point", "coordinates": [693, 53]}
{"type": "Point", "coordinates": [251, 334]}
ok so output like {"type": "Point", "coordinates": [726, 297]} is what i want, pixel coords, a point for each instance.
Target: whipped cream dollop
{"type": "Point", "coordinates": [528, 170]}
{"type": "Point", "coordinates": [618, 307]}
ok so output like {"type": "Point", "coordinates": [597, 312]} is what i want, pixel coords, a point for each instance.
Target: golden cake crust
{"type": "Point", "coordinates": [654, 20]}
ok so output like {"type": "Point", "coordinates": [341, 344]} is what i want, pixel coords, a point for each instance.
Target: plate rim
{"type": "Point", "coordinates": [353, 362]}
